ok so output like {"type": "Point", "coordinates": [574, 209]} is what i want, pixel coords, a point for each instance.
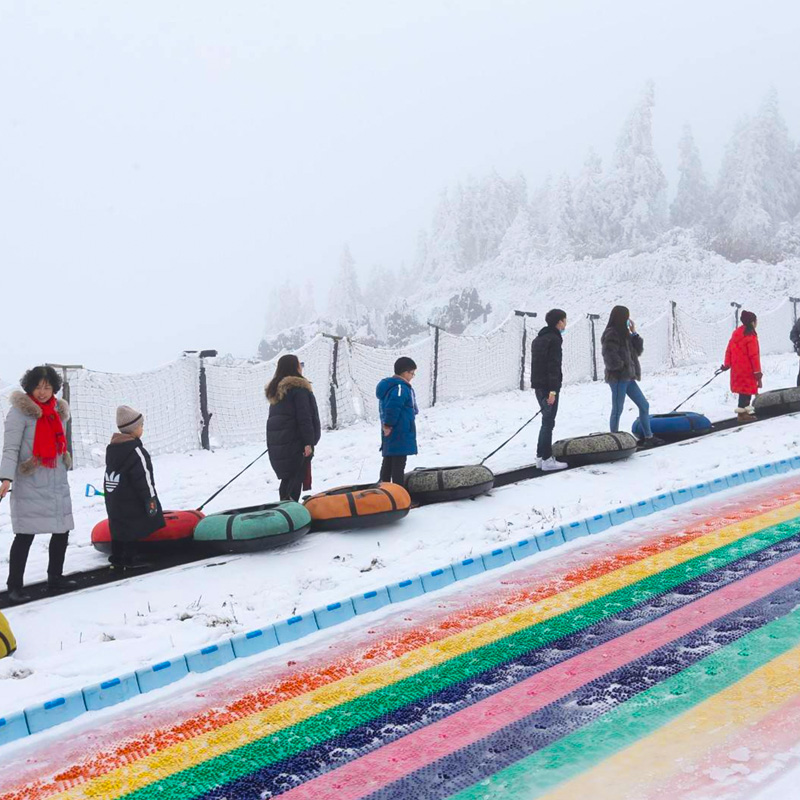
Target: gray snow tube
{"type": "Point", "coordinates": [777, 401]}
{"type": "Point", "coordinates": [596, 448]}
{"type": "Point", "coordinates": [448, 483]}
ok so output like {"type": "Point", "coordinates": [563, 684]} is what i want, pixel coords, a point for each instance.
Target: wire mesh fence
{"type": "Point", "coordinates": [345, 372]}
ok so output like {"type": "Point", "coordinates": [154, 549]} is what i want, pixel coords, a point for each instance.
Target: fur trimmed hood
{"type": "Point", "coordinates": [286, 384]}
{"type": "Point", "coordinates": [23, 402]}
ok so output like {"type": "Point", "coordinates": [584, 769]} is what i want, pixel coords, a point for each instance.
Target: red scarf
{"type": "Point", "coordinates": [49, 441]}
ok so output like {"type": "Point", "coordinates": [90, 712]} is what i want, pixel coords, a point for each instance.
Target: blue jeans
{"type": "Point", "coordinates": [621, 389]}
{"type": "Point", "coordinates": [544, 447]}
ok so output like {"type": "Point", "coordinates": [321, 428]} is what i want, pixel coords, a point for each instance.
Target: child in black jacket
{"type": "Point", "coordinates": [133, 507]}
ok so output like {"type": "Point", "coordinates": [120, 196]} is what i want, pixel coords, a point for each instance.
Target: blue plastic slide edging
{"type": "Point", "coordinates": [162, 674]}
{"type": "Point", "coordinates": [109, 693]}
{"type": "Point", "coordinates": [13, 727]}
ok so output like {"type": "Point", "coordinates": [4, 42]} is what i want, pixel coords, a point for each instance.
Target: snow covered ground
{"type": "Point", "coordinates": [71, 641]}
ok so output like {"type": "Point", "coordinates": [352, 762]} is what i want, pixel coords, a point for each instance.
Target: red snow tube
{"type": "Point", "coordinates": [176, 533]}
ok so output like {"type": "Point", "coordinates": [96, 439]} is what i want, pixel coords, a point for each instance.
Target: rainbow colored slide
{"type": "Point", "coordinates": [658, 661]}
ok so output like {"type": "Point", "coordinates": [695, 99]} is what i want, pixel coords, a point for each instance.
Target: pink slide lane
{"type": "Point", "coordinates": [392, 762]}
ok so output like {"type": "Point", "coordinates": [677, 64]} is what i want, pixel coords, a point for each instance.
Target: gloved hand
{"type": "Point", "coordinates": [723, 368]}
{"type": "Point", "coordinates": [152, 508]}
{"type": "Point", "coordinates": [758, 376]}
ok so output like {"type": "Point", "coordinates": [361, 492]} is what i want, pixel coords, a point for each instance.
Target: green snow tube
{"type": "Point", "coordinates": [244, 530]}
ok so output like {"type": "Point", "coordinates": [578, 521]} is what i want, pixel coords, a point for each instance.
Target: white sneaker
{"type": "Point", "coordinates": [550, 464]}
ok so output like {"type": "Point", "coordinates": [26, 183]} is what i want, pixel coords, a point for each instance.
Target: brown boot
{"type": "Point", "coordinates": [743, 415]}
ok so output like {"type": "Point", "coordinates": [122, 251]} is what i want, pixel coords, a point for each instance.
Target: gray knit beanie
{"type": "Point", "coordinates": [128, 419]}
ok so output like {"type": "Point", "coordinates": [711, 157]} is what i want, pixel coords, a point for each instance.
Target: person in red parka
{"type": "Point", "coordinates": [743, 359]}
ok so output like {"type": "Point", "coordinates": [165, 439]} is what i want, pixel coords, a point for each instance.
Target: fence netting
{"type": "Point", "coordinates": [237, 400]}
{"type": "Point", "coordinates": [345, 372]}
{"type": "Point", "coordinates": [470, 366]}
{"type": "Point", "coordinates": [657, 338]}
{"type": "Point", "coordinates": [364, 366]}
{"type": "Point", "coordinates": [577, 355]}
{"type": "Point", "coordinates": [169, 399]}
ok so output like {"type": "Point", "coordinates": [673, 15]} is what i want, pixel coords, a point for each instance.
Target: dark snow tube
{"type": "Point", "coordinates": [777, 401]}
{"type": "Point", "coordinates": [675, 426]}
{"type": "Point", "coordinates": [448, 483]}
{"type": "Point", "coordinates": [243, 530]}
{"type": "Point", "coordinates": [175, 535]}
{"type": "Point", "coordinates": [596, 448]}
{"type": "Point", "coordinates": [362, 506]}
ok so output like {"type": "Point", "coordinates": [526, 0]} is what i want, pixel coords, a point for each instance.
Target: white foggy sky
{"type": "Point", "coordinates": [163, 163]}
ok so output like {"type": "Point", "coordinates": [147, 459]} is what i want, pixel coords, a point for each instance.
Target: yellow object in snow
{"type": "Point", "coordinates": [8, 644]}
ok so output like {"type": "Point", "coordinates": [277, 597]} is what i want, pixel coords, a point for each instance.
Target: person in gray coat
{"type": "Point", "coordinates": [36, 460]}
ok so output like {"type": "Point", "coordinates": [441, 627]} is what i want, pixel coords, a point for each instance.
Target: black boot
{"type": "Point", "coordinates": [58, 583]}
{"type": "Point", "coordinates": [130, 558]}
{"type": "Point", "coordinates": [18, 595]}
{"type": "Point", "coordinates": [652, 441]}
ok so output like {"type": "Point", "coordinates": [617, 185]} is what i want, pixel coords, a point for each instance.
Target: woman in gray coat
{"type": "Point", "coordinates": [35, 459]}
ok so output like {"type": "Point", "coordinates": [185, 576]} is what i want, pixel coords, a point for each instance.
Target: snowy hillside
{"type": "Point", "coordinates": [584, 243]}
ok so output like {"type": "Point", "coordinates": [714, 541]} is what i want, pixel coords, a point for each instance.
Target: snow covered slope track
{"type": "Point", "coordinates": [443, 484]}
{"type": "Point", "coordinates": [365, 506]}
{"type": "Point", "coordinates": [637, 666]}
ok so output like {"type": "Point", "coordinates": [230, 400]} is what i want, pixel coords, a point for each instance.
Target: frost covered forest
{"type": "Point", "coordinates": [614, 232]}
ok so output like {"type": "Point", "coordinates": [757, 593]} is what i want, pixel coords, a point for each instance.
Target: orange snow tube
{"type": "Point", "coordinates": [358, 506]}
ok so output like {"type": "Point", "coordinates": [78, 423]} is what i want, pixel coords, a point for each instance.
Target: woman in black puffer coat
{"type": "Point", "coordinates": [293, 427]}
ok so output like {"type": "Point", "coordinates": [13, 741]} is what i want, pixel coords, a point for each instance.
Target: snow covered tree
{"type": "Point", "coordinates": [380, 288]}
{"type": "Point", "coordinates": [759, 187]}
{"type": "Point", "coordinates": [636, 190]}
{"type": "Point", "coordinates": [589, 208]}
{"type": "Point", "coordinates": [284, 309]}
{"type": "Point", "coordinates": [345, 301]}
{"type": "Point", "coordinates": [560, 219]}
{"type": "Point", "coordinates": [692, 202]}
{"type": "Point", "coordinates": [519, 246]}
{"type": "Point", "coordinates": [469, 225]}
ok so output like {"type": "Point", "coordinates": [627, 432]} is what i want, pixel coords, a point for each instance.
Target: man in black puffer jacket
{"type": "Point", "coordinates": [546, 380]}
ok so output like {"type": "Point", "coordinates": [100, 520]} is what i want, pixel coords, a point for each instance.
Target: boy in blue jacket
{"type": "Point", "coordinates": [397, 404]}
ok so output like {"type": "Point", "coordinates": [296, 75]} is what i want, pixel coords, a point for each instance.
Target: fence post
{"type": "Point", "coordinates": [794, 301]}
{"type": "Point", "coordinates": [435, 381]}
{"type": "Point", "coordinates": [65, 393]}
{"type": "Point", "coordinates": [673, 339]}
{"type": "Point", "coordinates": [592, 318]}
{"type": "Point", "coordinates": [205, 414]}
{"type": "Point", "coordinates": [737, 306]}
{"type": "Point", "coordinates": [524, 315]}
{"type": "Point", "coordinates": [334, 384]}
